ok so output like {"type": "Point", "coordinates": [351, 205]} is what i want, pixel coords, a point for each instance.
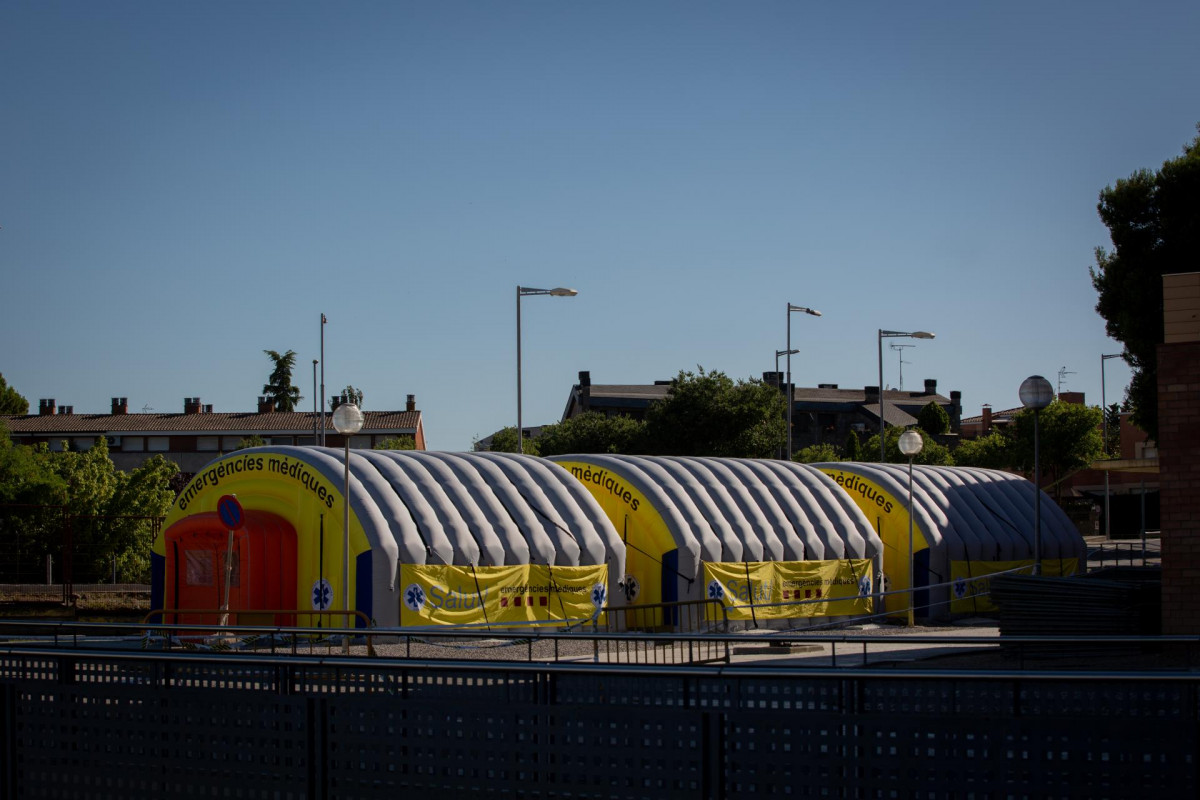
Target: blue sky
{"type": "Point", "coordinates": [185, 185]}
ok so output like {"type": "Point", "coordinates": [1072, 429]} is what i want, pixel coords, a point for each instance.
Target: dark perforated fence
{"type": "Point", "coordinates": [110, 724]}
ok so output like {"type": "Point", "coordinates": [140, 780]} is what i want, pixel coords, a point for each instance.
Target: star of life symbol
{"type": "Point", "coordinates": [414, 597]}
{"type": "Point", "coordinates": [960, 588]}
{"type": "Point", "coordinates": [631, 588]}
{"type": "Point", "coordinates": [599, 595]}
{"type": "Point", "coordinates": [715, 590]}
{"type": "Point", "coordinates": [864, 586]}
{"type": "Point", "coordinates": [322, 595]}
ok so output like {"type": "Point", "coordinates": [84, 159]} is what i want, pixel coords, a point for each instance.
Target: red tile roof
{"type": "Point", "coordinates": [299, 422]}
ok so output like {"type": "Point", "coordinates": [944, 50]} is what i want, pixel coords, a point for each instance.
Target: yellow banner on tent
{"type": "Point", "coordinates": [439, 594]}
{"type": "Point", "coordinates": [788, 589]}
{"type": "Point", "coordinates": [971, 581]}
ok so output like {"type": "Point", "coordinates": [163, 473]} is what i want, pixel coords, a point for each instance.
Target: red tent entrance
{"type": "Point", "coordinates": [263, 574]}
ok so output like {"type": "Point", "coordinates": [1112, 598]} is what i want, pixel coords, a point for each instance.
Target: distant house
{"type": "Point", "coordinates": [196, 436]}
{"type": "Point", "coordinates": [825, 413]}
{"type": "Point", "coordinates": [485, 444]}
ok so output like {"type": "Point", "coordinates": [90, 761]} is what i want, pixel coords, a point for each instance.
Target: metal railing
{"type": "Point", "coordinates": [779, 649]}
{"type": "Point", "coordinates": [1117, 554]}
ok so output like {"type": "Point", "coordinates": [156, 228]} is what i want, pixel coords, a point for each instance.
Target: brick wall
{"type": "Point", "coordinates": [1179, 453]}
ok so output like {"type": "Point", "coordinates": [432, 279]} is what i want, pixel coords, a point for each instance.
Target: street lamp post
{"type": "Point", "coordinates": [1036, 393]}
{"type": "Point", "coordinates": [347, 420]}
{"type": "Point", "coordinates": [788, 392]}
{"type": "Point", "coordinates": [891, 335]}
{"type": "Point", "coordinates": [910, 444]}
{"type": "Point", "coordinates": [316, 434]}
{"type": "Point", "coordinates": [524, 291]}
{"type": "Point", "coordinates": [324, 321]}
{"type": "Point", "coordinates": [1104, 418]}
{"type": "Point", "coordinates": [779, 353]}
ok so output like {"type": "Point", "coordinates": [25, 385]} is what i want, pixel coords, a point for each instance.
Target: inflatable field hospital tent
{"type": "Point", "coordinates": [968, 524]}
{"type": "Point", "coordinates": [434, 538]}
{"type": "Point", "coordinates": [771, 540]}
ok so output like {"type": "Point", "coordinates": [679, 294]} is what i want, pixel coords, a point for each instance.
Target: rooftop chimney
{"type": "Point", "coordinates": [46, 407]}
{"type": "Point", "coordinates": [120, 405]}
{"type": "Point", "coordinates": [265, 405]}
{"type": "Point", "coordinates": [585, 378]}
{"type": "Point", "coordinates": [930, 386]}
{"type": "Point", "coordinates": [872, 394]}
{"type": "Point", "coordinates": [66, 409]}
{"type": "Point", "coordinates": [955, 411]}
{"type": "Point", "coordinates": [987, 418]}
{"type": "Point", "coordinates": [827, 386]}
{"type": "Point", "coordinates": [410, 403]}
{"type": "Point", "coordinates": [191, 405]}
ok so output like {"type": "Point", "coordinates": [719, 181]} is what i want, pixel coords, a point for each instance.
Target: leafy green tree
{"type": "Point", "coordinates": [853, 447]}
{"type": "Point", "coordinates": [933, 419]}
{"type": "Point", "coordinates": [1069, 440]}
{"type": "Point", "coordinates": [708, 414]}
{"type": "Point", "coordinates": [505, 441]}
{"type": "Point", "coordinates": [28, 532]}
{"type": "Point", "coordinates": [139, 499]}
{"type": "Point", "coordinates": [1152, 221]}
{"type": "Point", "coordinates": [253, 440]}
{"type": "Point", "coordinates": [352, 395]}
{"type": "Point", "coordinates": [592, 432]}
{"type": "Point", "coordinates": [112, 515]}
{"type": "Point", "coordinates": [932, 452]}
{"type": "Point", "coordinates": [817, 453]}
{"type": "Point", "coordinates": [26, 475]}
{"type": "Point", "coordinates": [1112, 415]}
{"type": "Point", "coordinates": [994, 451]}
{"type": "Point", "coordinates": [279, 387]}
{"type": "Point", "coordinates": [11, 401]}
{"type": "Point", "coordinates": [402, 442]}
{"type": "Point", "coordinates": [90, 476]}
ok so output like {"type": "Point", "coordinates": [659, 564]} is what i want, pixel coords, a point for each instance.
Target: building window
{"type": "Point", "coordinates": [132, 444]}
{"type": "Point", "coordinates": [158, 444]}
{"type": "Point", "coordinates": [284, 440]}
{"type": "Point", "coordinates": [360, 442]}
{"type": "Point", "coordinates": [231, 442]}
{"type": "Point", "coordinates": [208, 444]}
{"type": "Point", "coordinates": [82, 443]}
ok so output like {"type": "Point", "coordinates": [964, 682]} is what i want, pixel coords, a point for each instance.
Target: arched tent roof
{"type": "Point", "coordinates": [479, 509]}
{"type": "Point", "coordinates": [723, 509]}
{"type": "Point", "coordinates": [968, 514]}
{"type": "Point", "coordinates": [976, 514]}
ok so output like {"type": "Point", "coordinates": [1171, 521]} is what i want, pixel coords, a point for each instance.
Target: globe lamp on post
{"type": "Point", "coordinates": [347, 420]}
{"type": "Point", "coordinates": [910, 444]}
{"type": "Point", "coordinates": [1036, 393]}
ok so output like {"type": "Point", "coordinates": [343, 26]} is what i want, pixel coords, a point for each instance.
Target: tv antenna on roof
{"type": "Point", "coordinates": [899, 348]}
{"type": "Point", "coordinates": [146, 409]}
{"type": "Point", "coordinates": [1062, 376]}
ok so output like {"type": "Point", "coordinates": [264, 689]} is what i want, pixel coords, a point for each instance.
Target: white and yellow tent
{"type": "Point", "coordinates": [433, 538]}
{"type": "Point", "coordinates": [968, 524]}
{"type": "Point", "coordinates": [768, 538]}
